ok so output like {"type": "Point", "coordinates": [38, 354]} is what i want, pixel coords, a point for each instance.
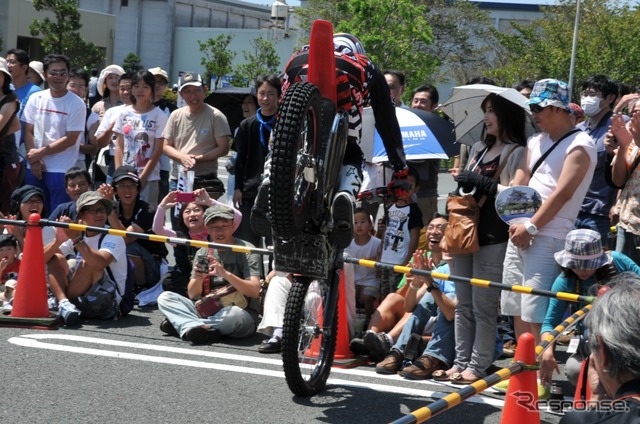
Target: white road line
{"type": "Point", "coordinates": [41, 341]}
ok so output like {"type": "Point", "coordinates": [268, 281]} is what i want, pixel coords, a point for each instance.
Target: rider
{"type": "Point", "coordinates": [359, 83]}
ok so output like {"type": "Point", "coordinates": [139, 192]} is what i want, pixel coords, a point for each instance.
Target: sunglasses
{"type": "Point", "coordinates": [55, 73]}
{"type": "Point", "coordinates": [536, 108]}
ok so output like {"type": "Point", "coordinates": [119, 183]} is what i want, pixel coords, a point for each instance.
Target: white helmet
{"type": "Point", "coordinates": [342, 41]}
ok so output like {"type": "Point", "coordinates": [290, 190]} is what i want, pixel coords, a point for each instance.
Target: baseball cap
{"type": "Point", "coordinates": [158, 71]}
{"type": "Point", "coordinates": [550, 92]}
{"type": "Point", "coordinates": [190, 78]}
{"type": "Point", "coordinates": [218, 210]}
{"type": "Point", "coordinates": [25, 193]}
{"type": "Point", "coordinates": [126, 171]}
{"type": "Point", "coordinates": [8, 240]}
{"type": "Point", "coordinates": [90, 198]}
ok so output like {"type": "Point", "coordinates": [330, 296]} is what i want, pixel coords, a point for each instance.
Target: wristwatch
{"type": "Point", "coordinates": [531, 228]}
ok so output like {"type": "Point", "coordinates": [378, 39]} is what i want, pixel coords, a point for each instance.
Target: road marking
{"type": "Point", "coordinates": [47, 341]}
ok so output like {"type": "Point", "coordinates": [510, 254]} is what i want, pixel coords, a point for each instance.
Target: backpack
{"type": "Point", "coordinates": [128, 297]}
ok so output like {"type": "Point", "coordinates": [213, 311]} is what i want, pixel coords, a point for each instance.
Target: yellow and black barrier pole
{"type": "Point", "coordinates": [152, 237]}
{"type": "Point", "coordinates": [570, 297]}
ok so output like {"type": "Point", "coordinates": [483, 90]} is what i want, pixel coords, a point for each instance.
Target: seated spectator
{"type": "Point", "coordinates": [192, 227]}
{"type": "Point", "coordinates": [130, 213]}
{"type": "Point", "coordinates": [26, 200]}
{"type": "Point", "coordinates": [584, 265]}
{"type": "Point", "coordinates": [77, 181]}
{"type": "Point", "coordinates": [238, 316]}
{"type": "Point", "coordinates": [275, 301]}
{"type": "Point", "coordinates": [94, 286]}
{"type": "Point", "coordinates": [390, 317]}
{"type": "Point", "coordinates": [9, 266]}
{"type": "Point", "coordinates": [438, 301]}
{"type": "Point", "coordinates": [613, 340]}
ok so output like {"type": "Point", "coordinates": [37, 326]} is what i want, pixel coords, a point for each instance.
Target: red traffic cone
{"type": "Point", "coordinates": [521, 402]}
{"type": "Point", "coordinates": [342, 342]}
{"type": "Point", "coordinates": [30, 299]}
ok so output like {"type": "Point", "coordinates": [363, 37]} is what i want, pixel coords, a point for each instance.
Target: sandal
{"type": "Point", "coordinates": [458, 378]}
{"type": "Point", "coordinates": [444, 375]}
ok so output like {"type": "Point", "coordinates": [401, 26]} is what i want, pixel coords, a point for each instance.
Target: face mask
{"type": "Point", "coordinates": [591, 105]}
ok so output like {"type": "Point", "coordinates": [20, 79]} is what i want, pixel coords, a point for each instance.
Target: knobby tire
{"type": "Point", "coordinates": [308, 342]}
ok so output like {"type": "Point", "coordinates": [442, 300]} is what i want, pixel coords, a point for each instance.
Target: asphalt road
{"type": "Point", "coordinates": [128, 371]}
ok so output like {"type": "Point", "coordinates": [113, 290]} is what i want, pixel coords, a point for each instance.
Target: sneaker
{"type": "Point", "coordinates": [201, 335]}
{"type": "Point", "coordinates": [69, 313]}
{"type": "Point", "coordinates": [260, 218]}
{"type": "Point", "coordinates": [509, 349]}
{"type": "Point", "coordinates": [342, 214]}
{"type": "Point", "coordinates": [391, 364]}
{"type": "Point", "coordinates": [358, 347]}
{"type": "Point", "coordinates": [378, 345]}
{"type": "Point", "coordinates": [422, 368]}
{"type": "Point", "coordinates": [168, 328]}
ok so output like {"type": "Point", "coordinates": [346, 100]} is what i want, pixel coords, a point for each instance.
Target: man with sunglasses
{"type": "Point", "coordinates": [559, 164]}
{"type": "Point", "coordinates": [88, 288]}
{"type": "Point", "coordinates": [54, 119]}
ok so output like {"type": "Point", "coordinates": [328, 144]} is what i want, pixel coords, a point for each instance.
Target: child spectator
{"type": "Point", "coordinates": [9, 265]}
{"type": "Point", "coordinates": [366, 247]}
{"type": "Point", "coordinates": [76, 182]}
{"type": "Point", "coordinates": [403, 221]}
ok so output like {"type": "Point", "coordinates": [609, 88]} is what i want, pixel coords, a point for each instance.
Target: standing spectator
{"type": "Point", "coordinates": [9, 125]}
{"type": "Point", "coordinates": [139, 141]}
{"type": "Point", "coordinates": [108, 89]}
{"type": "Point", "coordinates": [93, 88]}
{"type": "Point", "coordinates": [167, 106]}
{"type": "Point", "coordinates": [78, 81]}
{"type": "Point", "coordinates": [106, 138]}
{"type": "Point", "coordinates": [251, 143]}
{"type": "Point", "coordinates": [491, 167]}
{"type": "Point", "coordinates": [196, 135]}
{"type": "Point", "coordinates": [525, 88]}
{"type": "Point", "coordinates": [562, 179]}
{"type": "Point", "coordinates": [626, 174]}
{"type": "Point", "coordinates": [249, 109]}
{"type": "Point", "coordinates": [426, 98]}
{"type": "Point", "coordinates": [397, 83]}
{"type": "Point", "coordinates": [54, 119]}
{"type": "Point", "coordinates": [239, 317]}
{"type": "Point", "coordinates": [597, 99]}
{"type": "Point", "coordinates": [36, 73]}
{"type": "Point", "coordinates": [403, 222]}
{"type": "Point", "coordinates": [18, 66]}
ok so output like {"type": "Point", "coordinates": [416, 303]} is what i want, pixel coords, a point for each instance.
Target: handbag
{"type": "Point", "coordinates": [461, 233]}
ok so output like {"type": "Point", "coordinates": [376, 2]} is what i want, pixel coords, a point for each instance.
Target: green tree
{"type": "Point", "coordinates": [261, 59]}
{"type": "Point", "coordinates": [217, 57]}
{"type": "Point", "coordinates": [131, 63]}
{"type": "Point", "coordinates": [607, 44]}
{"type": "Point", "coordinates": [430, 40]}
{"type": "Point", "coordinates": [61, 36]}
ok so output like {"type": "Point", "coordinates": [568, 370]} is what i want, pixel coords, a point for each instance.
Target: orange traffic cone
{"type": "Point", "coordinates": [342, 351]}
{"type": "Point", "coordinates": [521, 402]}
{"type": "Point", "coordinates": [30, 299]}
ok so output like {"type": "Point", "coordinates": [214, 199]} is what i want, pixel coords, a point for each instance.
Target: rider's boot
{"type": "Point", "coordinates": [260, 216]}
{"type": "Point", "coordinates": [343, 207]}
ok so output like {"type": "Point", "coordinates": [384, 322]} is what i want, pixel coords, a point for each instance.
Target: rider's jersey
{"type": "Point", "coordinates": [359, 84]}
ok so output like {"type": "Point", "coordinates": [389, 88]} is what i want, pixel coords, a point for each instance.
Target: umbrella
{"type": "Point", "coordinates": [464, 107]}
{"type": "Point", "coordinates": [229, 101]}
{"type": "Point", "coordinates": [424, 135]}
